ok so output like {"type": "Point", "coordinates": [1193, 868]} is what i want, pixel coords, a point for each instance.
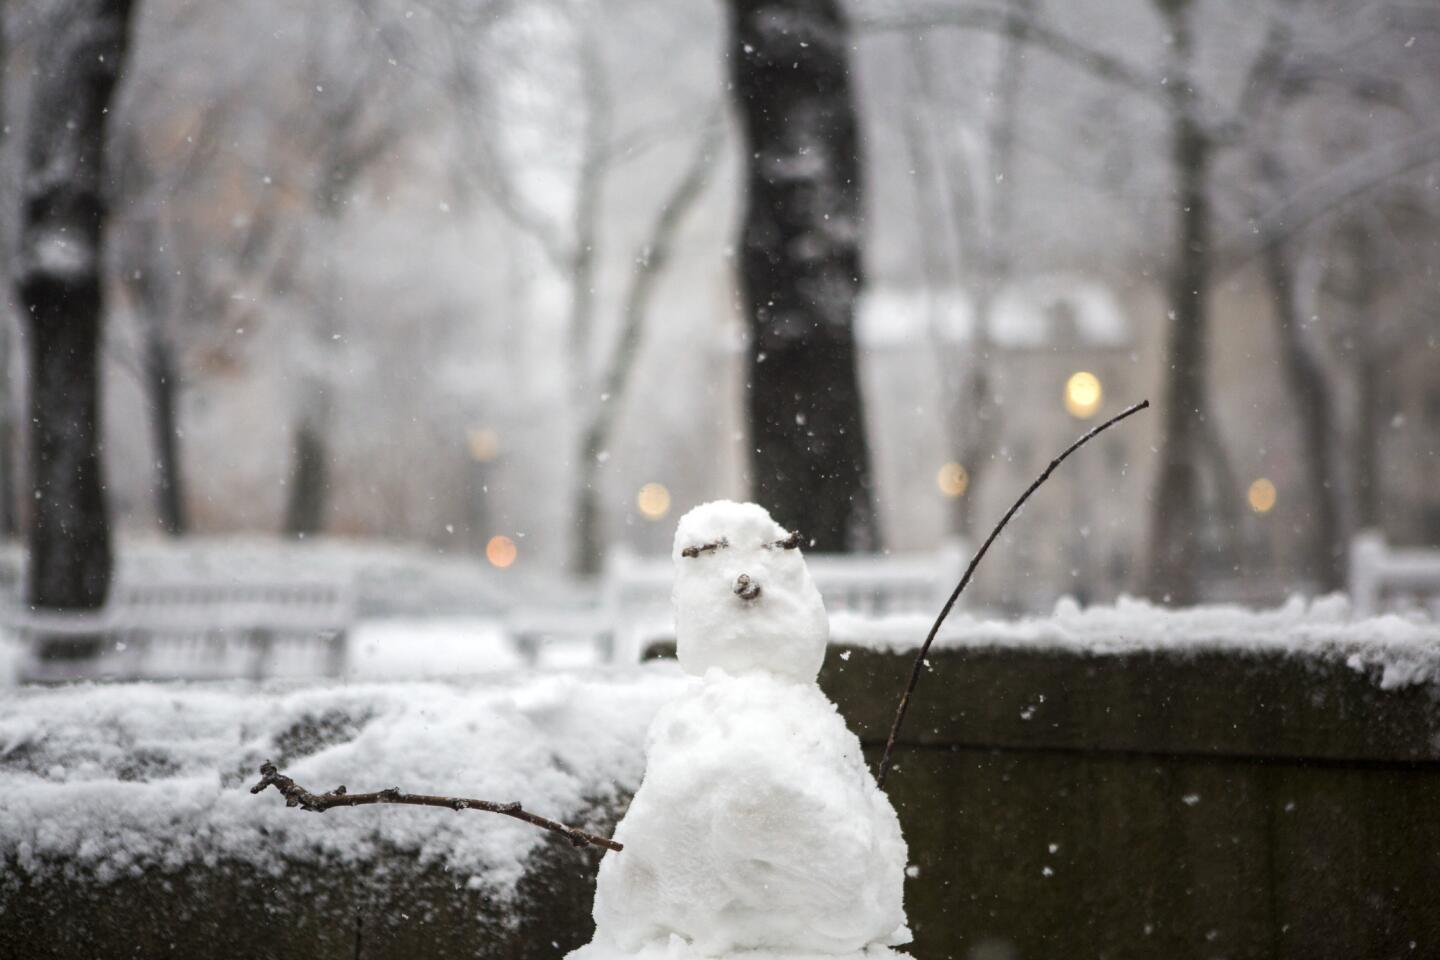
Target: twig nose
{"type": "Point", "coordinates": [745, 588]}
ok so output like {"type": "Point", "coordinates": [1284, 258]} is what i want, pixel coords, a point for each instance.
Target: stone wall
{"type": "Point", "coordinates": [1057, 804]}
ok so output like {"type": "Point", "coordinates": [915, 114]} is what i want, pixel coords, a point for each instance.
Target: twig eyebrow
{"type": "Point", "coordinates": [790, 542]}
{"type": "Point", "coordinates": [705, 548]}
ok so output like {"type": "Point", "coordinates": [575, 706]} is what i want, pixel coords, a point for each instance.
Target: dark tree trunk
{"type": "Point", "coordinates": [800, 268]}
{"type": "Point", "coordinates": [305, 513]}
{"type": "Point", "coordinates": [9, 518]}
{"type": "Point", "coordinates": [164, 425]}
{"type": "Point", "coordinates": [59, 282]}
{"type": "Point", "coordinates": [1176, 513]}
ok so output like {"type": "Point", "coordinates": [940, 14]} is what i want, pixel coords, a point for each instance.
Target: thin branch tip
{"type": "Point", "coordinates": [920, 658]}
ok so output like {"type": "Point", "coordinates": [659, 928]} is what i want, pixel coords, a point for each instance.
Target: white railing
{"type": "Point", "coordinates": [1384, 578]}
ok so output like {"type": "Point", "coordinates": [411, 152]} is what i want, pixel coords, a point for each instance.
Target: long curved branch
{"type": "Point", "coordinates": [919, 666]}
{"type": "Point", "coordinates": [297, 796]}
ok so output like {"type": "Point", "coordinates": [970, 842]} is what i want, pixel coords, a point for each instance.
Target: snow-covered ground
{"type": "Point", "coordinates": [112, 778]}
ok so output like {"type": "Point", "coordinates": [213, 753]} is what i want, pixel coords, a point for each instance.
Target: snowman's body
{"type": "Point", "coordinates": [757, 826]}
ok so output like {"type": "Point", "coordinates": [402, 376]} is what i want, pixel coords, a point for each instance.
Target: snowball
{"type": "Point", "coordinates": [757, 827]}
{"type": "Point", "coordinates": [772, 620]}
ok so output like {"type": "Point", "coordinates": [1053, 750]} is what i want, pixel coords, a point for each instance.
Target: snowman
{"type": "Point", "coordinates": [758, 826]}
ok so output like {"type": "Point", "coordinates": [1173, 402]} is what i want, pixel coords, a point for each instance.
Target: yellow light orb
{"type": "Point", "coordinates": [653, 501]}
{"type": "Point", "coordinates": [1261, 496]}
{"type": "Point", "coordinates": [1083, 395]}
{"type": "Point", "coordinates": [953, 480]}
{"type": "Point", "coordinates": [501, 551]}
{"type": "Point", "coordinates": [484, 444]}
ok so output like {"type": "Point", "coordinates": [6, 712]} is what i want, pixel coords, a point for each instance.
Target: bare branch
{"type": "Point", "coordinates": [297, 796]}
{"type": "Point", "coordinates": [1366, 172]}
{"type": "Point", "coordinates": [970, 572]}
{"type": "Point", "coordinates": [1097, 63]}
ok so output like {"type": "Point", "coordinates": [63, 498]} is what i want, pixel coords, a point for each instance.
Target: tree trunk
{"type": "Point", "coordinates": [1176, 514]}
{"type": "Point", "coordinates": [997, 205]}
{"type": "Point", "coordinates": [9, 519]}
{"type": "Point", "coordinates": [309, 478]}
{"type": "Point", "coordinates": [1310, 391]}
{"type": "Point", "coordinates": [163, 389]}
{"type": "Point", "coordinates": [59, 282]}
{"type": "Point", "coordinates": [1370, 368]}
{"type": "Point", "coordinates": [800, 268]}
{"type": "Point", "coordinates": [1370, 421]}
{"type": "Point", "coordinates": [1311, 394]}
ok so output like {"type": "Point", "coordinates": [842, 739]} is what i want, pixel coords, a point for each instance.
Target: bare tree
{"type": "Point", "coordinates": [801, 268]}
{"type": "Point", "coordinates": [151, 263]}
{"type": "Point", "coordinates": [63, 221]}
{"type": "Point", "coordinates": [1175, 514]}
{"type": "Point", "coordinates": [348, 132]}
{"type": "Point", "coordinates": [649, 267]}
{"type": "Point", "coordinates": [1195, 483]}
{"type": "Point", "coordinates": [977, 190]}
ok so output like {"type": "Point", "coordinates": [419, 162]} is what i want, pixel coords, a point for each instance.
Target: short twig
{"type": "Point", "coordinates": [297, 796]}
{"type": "Point", "coordinates": [919, 665]}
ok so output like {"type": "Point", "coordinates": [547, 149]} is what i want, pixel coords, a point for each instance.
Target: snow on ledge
{"type": "Point", "coordinates": [101, 780]}
{"type": "Point", "coordinates": [1397, 651]}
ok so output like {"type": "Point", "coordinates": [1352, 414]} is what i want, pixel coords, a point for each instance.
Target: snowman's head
{"type": "Point", "coordinates": [744, 600]}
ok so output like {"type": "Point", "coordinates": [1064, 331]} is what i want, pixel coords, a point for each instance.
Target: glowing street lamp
{"type": "Point", "coordinates": [653, 501]}
{"type": "Point", "coordinates": [484, 444]}
{"type": "Point", "coordinates": [1261, 495]}
{"type": "Point", "coordinates": [953, 480]}
{"type": "Point", "coordinates": [501, 551]}
{"type": "Point", "coordinates": [1083, 395]}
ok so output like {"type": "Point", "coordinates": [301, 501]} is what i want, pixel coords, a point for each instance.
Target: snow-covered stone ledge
{"type": "Point", "coordinates": [1118, 781]}
{"type": "Point", "coordinates": [126, 821]}
{"type": "Point", "coordinates": [1301, 681]}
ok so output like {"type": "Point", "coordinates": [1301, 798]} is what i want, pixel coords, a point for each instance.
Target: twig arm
{"type": "Point", "coordinates": [919, 664]}
{"type": "Point", "coordinates": [297, 796]}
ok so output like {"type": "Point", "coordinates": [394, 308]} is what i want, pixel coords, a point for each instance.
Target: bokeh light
{"type": "Point", "coordinates": [653, 501]}
{"type": "Point", "coordinates": [1261, 495]}
{"type": "Point", "coordinates": [1083, 394]}
{"type": "Point", "coordinates": [953, 479]}
{"type": "Point", "coordinates": [501, 551]}
{"type": "Point", "coordinates": [484, 444]}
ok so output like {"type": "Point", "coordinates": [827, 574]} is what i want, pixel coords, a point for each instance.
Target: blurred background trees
{"type": "Point", "coordinates": [452, 270]}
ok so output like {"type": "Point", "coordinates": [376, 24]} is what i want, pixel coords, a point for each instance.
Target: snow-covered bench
{"type": "Point", "coordinates": [1384, 578]}
{"type": "Point", "coordinates": [195, 628]}
{"type": "Point", "coordinates": [635, 596]}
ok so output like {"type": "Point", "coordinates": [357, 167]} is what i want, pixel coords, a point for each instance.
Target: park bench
{"type": "Point", "coordinates": [1385, 578]}
{"type": "Point", "coordinates": [192, 628]}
